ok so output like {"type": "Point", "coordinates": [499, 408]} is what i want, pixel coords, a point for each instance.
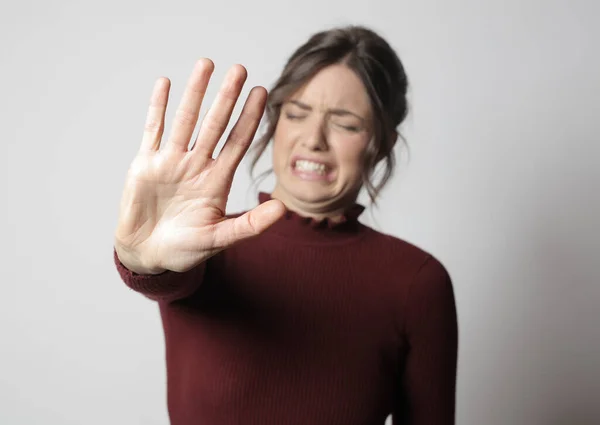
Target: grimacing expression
{"type": "Point", "coordinates": [319, 143]}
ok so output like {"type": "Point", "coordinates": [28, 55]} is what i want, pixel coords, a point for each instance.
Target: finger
{"type": "Point", "coordinates": [252, 223]}
{"type": "Point", "coordinates": [155, 118]}
{"type": "Point", "coordinates": [186, 115]}
{"type": "Point", "coordinates": [242, 133]}
{"type": "Point", "coordinates": [216, 120]}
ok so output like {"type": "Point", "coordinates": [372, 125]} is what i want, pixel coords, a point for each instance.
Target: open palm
{"type": "Point", "coordinates": [172, 211]}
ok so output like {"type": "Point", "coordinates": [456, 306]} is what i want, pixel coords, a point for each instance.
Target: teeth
{"type": "Point", "coordinates": [310, 166]}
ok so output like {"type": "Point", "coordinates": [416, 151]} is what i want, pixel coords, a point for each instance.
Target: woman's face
{"type": "Point", "coordinates": [320, 140]}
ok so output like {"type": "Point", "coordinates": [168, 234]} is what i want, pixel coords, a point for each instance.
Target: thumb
{"type": "Point", "coordinates": [249, 224]}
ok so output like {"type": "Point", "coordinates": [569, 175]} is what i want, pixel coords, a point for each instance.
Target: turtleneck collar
{"type": "Point", "coordinates": [310, 229]}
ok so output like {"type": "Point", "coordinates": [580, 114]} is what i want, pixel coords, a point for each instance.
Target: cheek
{"type": "Point", "coordinates": [350, 156]}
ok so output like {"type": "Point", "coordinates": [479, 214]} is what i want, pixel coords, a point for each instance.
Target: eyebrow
{"type": "Point", "coordinates": [334, 111]}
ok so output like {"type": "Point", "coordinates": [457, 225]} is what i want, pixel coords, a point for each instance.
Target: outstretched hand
{"type": "Point", "coordinates": [172, 211]}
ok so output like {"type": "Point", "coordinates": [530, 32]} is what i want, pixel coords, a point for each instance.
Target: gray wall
{"type": "Point", "coordinates": [502, 185]}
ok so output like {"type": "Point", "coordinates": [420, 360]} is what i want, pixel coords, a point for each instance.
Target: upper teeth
{"type": "Point", "coordinates": [303, 164]}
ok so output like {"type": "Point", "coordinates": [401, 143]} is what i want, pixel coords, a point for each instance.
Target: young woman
{"type": "Point", "coordinates": [293, 312]}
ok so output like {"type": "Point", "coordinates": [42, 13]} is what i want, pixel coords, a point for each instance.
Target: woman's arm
{"type": "Point", "coordinates": [431, 329]}
{"type": "Point", "coordinates": [167, 286]}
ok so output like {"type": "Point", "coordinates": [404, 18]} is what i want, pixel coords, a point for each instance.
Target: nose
{"type": "Point", "coordinates": [315, 138]}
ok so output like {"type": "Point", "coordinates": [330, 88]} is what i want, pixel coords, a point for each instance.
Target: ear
{"type": "Point", "coordinates": [393, 140]}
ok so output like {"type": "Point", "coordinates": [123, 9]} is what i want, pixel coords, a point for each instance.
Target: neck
{"type": "Point", "coordinates": [308, 228]}
{"type": "Point", "coordinates": [318, 210]}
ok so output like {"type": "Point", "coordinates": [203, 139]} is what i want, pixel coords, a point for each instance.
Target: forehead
{"type": "Point", "coordinates": [335, 86]}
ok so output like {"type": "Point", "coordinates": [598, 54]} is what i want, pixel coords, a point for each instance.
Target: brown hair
{"type": "Point", "coordinates": [379, 69]}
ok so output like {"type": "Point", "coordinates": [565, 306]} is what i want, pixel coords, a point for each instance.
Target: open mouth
{"type": "Point", "coordinates": [306, 169]}
{"type": "Point", "coordinates": [306, 166]}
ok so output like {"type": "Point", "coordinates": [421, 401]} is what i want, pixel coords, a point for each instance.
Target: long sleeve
{"type": "Point", "coordinates": [167, 286]}
{"type": "Point", "coordinates": [431, 329]}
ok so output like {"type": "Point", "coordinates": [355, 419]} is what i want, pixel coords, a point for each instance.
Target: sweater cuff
{"type": "Point", "coordinates": [167, 286]}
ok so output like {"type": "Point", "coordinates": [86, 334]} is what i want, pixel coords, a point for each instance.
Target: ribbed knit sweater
{"type": "Point", "coordinates": [310, 323]}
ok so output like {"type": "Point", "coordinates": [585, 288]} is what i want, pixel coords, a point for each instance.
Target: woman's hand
{"type": "Point", "coordinates": [172, 211]}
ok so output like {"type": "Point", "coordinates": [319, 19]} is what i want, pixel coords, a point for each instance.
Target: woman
{"type": "Point", "coordinates": [293, 312]}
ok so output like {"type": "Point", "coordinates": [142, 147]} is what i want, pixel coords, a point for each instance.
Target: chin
{"type": "Point", "coordinates": [320, 192]}
{"type": "Point", "coordinates": [314, 193]}
{"type": "Point", "coordinates": [305, 193]}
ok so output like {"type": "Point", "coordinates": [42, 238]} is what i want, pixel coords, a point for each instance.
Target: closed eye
{"type": "Point", "coordinates": [349, 127]}
{"type": "Point", "coordinates": [293, 117]}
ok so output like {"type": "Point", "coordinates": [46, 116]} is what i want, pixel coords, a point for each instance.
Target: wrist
{"type": "Point", "coordinates": [135, 264]}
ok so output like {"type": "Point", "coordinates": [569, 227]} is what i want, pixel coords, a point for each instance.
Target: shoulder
{"type": "Point", "coordinates": [400, 249]}
{"type": "Point", "coordinates": [431, 291]}
{"type": "Point", "coordinates": [405, 264]}
{"type": "Point", "coordinates": [422, 265]}
{"type": "Point", "coordinates": [432, 280]}
{"type": "Point", "coordinates": [416, 282]}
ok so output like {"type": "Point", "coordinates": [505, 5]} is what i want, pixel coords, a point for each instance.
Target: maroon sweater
{"type": "Point", "coordinates": [310, 323]}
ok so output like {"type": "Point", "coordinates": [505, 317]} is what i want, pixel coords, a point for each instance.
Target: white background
{"type": "Point", "coordinates": [502, 185]}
